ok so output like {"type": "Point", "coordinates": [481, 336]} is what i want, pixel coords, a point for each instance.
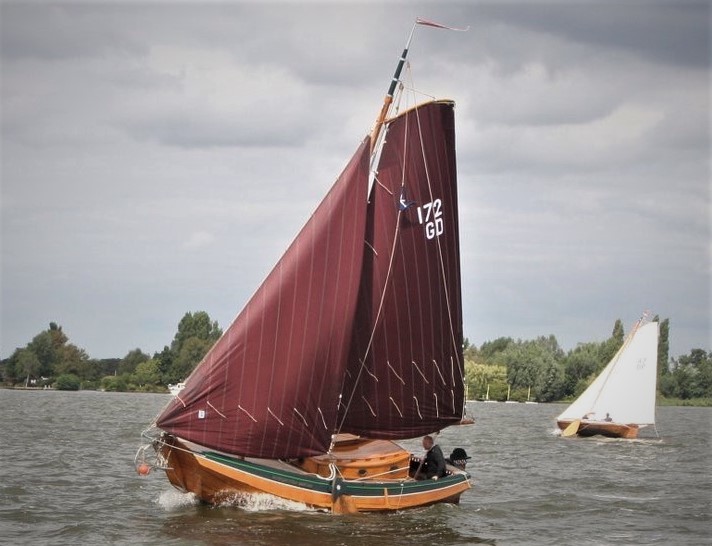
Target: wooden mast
{"type": "Point", "coordinates": [391, 90]}
{"type": "Point", "coordinates": [396, 78]}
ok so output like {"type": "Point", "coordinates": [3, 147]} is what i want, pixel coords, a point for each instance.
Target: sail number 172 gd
{"type": "Point", "coordinates": [431, 216]}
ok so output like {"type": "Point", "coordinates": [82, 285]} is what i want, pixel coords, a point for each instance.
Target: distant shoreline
{"type": "Point", "coordinates": [661, 402]}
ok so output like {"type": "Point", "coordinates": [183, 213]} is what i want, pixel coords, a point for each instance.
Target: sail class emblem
{"type": "Point", "coordinates": [403, 202]}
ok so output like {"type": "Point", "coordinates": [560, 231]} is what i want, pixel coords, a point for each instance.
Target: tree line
{"type": "Point", "coordinates": [49, 360]}
{"type": "Point", "coordinates": [537, 370]}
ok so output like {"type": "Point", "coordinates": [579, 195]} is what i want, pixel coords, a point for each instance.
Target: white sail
{"type": "Point", "coordinates": [625, 389]}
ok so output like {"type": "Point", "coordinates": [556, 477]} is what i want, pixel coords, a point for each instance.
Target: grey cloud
{"type": "Point", "coordinates": [158, 158]}
{"type": "Point", "coordinates": [676, 33]}
{"type": "Point", "coordinates": [198, 130]}
{"type": "Point", "coordinates": [61, 30]}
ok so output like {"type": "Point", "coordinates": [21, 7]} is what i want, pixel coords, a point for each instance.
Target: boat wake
{"type": "Point", "coordinates": [173, 500]}
{"type": "Point", "coordinates": [262, 502]}
{"type": "Point", "coordinates": [644, 441]}
{"type": "Point", "coordinates": [250, 502]}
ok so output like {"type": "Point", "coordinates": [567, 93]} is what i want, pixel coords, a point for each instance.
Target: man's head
{"type": "Point", "coordinates": [427, 442]}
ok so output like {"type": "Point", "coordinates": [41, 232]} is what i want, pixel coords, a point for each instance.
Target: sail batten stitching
{"type": "Point", "coordinates": [217, 410]}
{"type": "Point", "coordinates": [396, 406]}
{"type": "Point", "coordinates": [421, 373]}
{"type": "Point", "coordinates": [273, 415]}
{"type": "Point", "coordinates": [246, 412]}
{"type": "Point", "coordinates": [442, 378]}
{"type": "Point", "coordinates": [395, 372]}
{"type": "Point", "coordinates": [417, 407]}
{"type": "Point", "coordinates": [437, 410]}
{"type": "Point", "coordinates": [302, 417]}
{"type": "Point", "coordinates": [322, 417]}
{"type": "Point", "coordinates": [371, 247]}
{"type": "Point", "coordinates": [369, 406]}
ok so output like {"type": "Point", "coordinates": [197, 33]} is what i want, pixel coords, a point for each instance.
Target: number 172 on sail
{"type": "Point", "coordinates": [430, 215]}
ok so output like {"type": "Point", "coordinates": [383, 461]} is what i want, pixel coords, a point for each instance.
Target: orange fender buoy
{"type": "Point", "coordinates": [143, 469]}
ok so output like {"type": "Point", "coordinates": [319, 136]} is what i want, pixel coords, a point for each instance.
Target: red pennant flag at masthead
{"type": "Point", "coordinates": [420, 21]}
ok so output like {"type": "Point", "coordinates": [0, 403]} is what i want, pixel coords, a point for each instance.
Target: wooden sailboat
{"type": "Point", "coordinates": [353, 341]}
{"type": "Point", "coordinates": [621, 400]}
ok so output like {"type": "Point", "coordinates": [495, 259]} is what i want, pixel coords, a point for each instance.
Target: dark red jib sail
{"type": "Point", "coordinates": [269, 387]}
{"type": "Point", "coordinates": [405, 374]}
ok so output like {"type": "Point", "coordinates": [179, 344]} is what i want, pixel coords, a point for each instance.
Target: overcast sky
{"type": "Point", "coordinates": [158, 158]}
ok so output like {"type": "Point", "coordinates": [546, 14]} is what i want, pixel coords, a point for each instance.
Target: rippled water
{"type": "Point", "coordinates": [67, 477]}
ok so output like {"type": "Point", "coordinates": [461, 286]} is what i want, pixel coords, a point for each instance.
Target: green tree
{"type": "Point", "coordinates": [196, 334]}
{"type": "Point", "coordinates": [132, 359]}
{"type": "Point", "coordinates": [692, 375]}
{"type": "Point", "coordinates": [191, 353]}
{"type": "Point", "coordinates": [535, 363]}
{"type": "Point", "coordinates": [43, 345]}
{"type": "Point", "coordinates": [115, 383]}
{"type": "Point", "coordinates": [195, 325]}
{"type": "Point", "coordinates": [70, 359]}
{"type": "Point", "coordinates": [108, 366]}
{"type": "Point", "coordinates": [57, 335]}
{"type": "Point", "coordinates": [164, 362]}
{"type": "Point", "coordinates": [490, 349]}
{"type": "Point", "coordinates": [663, 346]}
{"type": "Point", "coordinates": [479, 376]}
{"type": "Point", "coordinates": [610, 347]}
{"type": "Point", "coordinates": [580, 367]}
{"type": "Point", "coordinates": [10, 372]}
{"type": "Point", "coordinates": [146, 374]}
{"type": "Point", "coordinates": [28, 365]}
{"type": "Point", "coordinates": [550, 384]}
{"type": "Point", "coordinates": [67, 382]}
{"type": "Point", "coordinates": [469, 351]}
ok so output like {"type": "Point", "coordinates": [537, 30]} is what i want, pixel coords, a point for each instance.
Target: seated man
{"type": "Point", "coordinates": [433, 465]}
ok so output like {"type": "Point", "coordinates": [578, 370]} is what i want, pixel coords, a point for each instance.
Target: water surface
{"type": "Point", "coordinates": [67, 477]}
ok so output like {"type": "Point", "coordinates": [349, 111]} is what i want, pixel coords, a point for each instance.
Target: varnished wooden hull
{"type": "Point", "coordinates": [603, 428]}
{"type": "Point", "coordinates": [216, 478]}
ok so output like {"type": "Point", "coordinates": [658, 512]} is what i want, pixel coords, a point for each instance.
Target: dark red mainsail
{"type": "Point", "coordinates": [405, 374]}
{"type": "Point", "coordinates": [358, 328]}
{"type": "Point", "coordinates": [269, 387]}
